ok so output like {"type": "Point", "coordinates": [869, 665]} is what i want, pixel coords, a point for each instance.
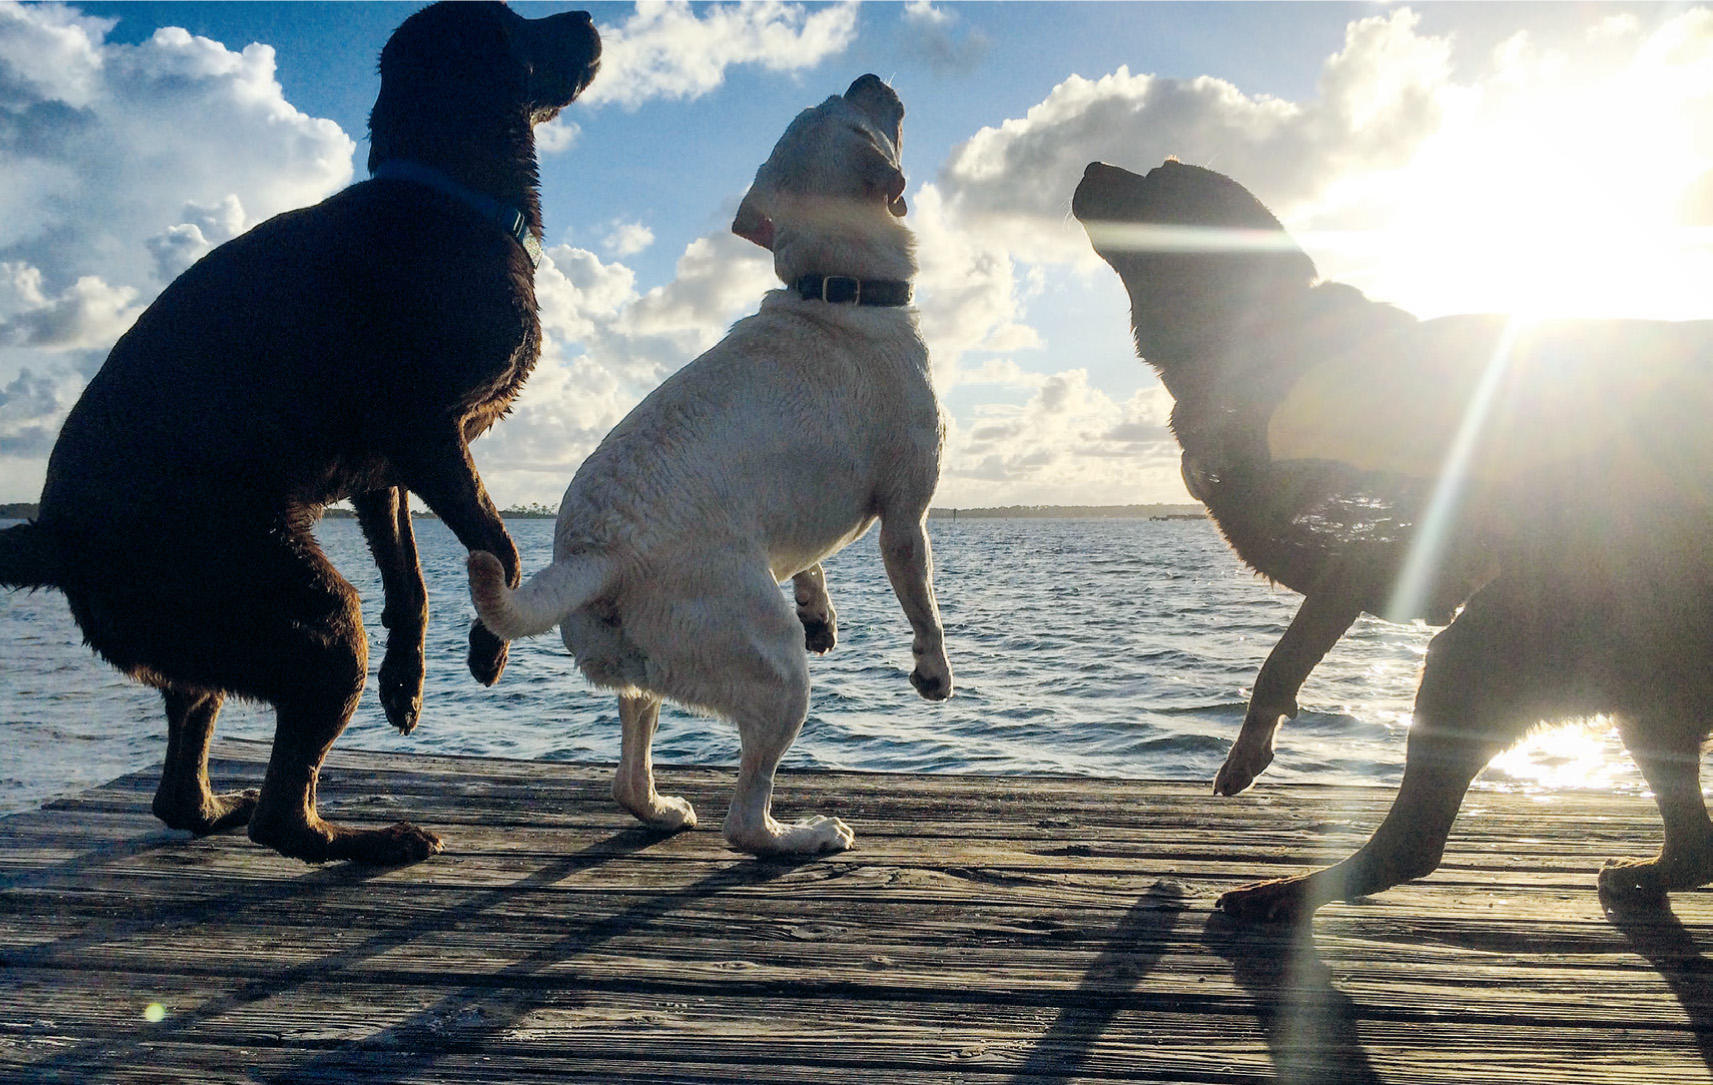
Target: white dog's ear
{"type": "Point", "coordinates": [751, 224]}
{"type": "Point", "coordinates": [880, 174]}
{"type": "Point", "coordinates": [892, 183]}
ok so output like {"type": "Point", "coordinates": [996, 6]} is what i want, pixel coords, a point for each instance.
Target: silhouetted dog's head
{"type": "Point", "coordinates": [1198, 254]}
{"type": "Point", "coordinates": [456, 75]}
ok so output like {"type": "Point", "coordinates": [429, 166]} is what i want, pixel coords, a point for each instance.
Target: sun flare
{"type": "Point", "coordinates": [1570, 190]}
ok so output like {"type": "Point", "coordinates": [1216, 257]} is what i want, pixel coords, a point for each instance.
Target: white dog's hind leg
{"type": "Point", "coordinates": [768, 724]}
{"type": "Point", "coordinates": [633, 786]}
{"type": "Point", "coordinates": [757, 676]}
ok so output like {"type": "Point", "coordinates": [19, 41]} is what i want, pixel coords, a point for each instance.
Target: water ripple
{"type": "Point", "coordinates": [1121, 648]}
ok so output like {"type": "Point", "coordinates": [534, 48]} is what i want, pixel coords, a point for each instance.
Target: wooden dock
{"type": "Point", "coordinates": [984, 930]}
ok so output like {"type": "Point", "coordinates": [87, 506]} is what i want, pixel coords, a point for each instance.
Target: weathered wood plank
{"type": "Point", "coordinates": [984, 930]}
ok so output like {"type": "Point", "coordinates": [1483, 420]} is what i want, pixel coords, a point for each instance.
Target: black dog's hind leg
{"type": "Point", "coordinates": [305, 651]}
{"type": "Point", "coordinates": [1481, 689]}
{"type": "Point", "coordinates": [184, 799]}
{"type": "Point", "coordinates": [1669, 754]}
{"type": "Point", "coordinates": [385, 517]}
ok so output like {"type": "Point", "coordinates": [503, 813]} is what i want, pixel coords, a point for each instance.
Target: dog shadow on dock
{"type": "Point", "coordinates": [1132, 950]}
{"type": "Point", "coordinates": [465, 1019]}
{"type": "Point", "coordinates": [1310, 1025]}
{"type": "Point", "coordinates": [1661, 939]}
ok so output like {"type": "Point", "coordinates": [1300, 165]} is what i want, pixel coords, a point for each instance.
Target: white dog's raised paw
{"type": "Point", "coordinates": [819, 637]}
{"type": "Point", "coordinates": [932, 678]}
{"type": "Point", "coordinates": [811, 836]}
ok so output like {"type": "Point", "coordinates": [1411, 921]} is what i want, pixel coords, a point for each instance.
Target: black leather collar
{"type": "Point", "coordinates": [849, 290]}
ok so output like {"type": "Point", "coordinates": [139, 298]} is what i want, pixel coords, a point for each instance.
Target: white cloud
{"type": "Point", "coordinates": [968, 291]}
{"type": "Point", "coordinates": [928, 34]}
{"type": "Point", "coordinates": [556, 136]}
{"type": "Point", "coordinates": [119, 165]}
{"type": "Point", "coordinates": [666, 50]}
{"type": "Point", "coordinates": [627, 238]}
{"type": "Point", "coordinates": [605, 346]}
{"type": "Point", "coordinates": [1379, 98]}
{"type": "Point", "coordinates": [1069, 444]}
{"type": "Point", "coordinates": [1570, 181]}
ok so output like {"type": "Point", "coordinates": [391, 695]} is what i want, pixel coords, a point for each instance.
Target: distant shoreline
{"type": "Point", "coordinates": [27, 511]}
{"type": "Point", "coordinates": [1074, 512]}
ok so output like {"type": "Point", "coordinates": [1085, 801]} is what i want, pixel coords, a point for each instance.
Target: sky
{"type": "Point", "coordinates": [1552, 159]}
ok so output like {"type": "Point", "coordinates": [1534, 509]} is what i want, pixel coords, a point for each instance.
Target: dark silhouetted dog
{"type": "Point", "coordinates": [1554, 479]}
{"type": "Point", "coordinates": [350, 349]}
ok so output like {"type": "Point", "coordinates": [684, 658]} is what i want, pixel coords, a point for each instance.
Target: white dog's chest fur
{"type": "Point", "coordinates": [781, 440]}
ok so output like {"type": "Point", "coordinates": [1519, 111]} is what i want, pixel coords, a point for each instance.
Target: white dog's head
{"type": "Point", "coordinates": [829, 197]}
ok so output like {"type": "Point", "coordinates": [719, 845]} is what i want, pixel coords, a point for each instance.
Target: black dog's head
{"type": "Point", "coordinates": [463, 76]}
{"type": "Point", "coordinates": [1199, 255]}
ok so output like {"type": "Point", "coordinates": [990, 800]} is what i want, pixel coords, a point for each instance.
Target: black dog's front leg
{"type": "Point", "coordinates": [1327, 612]}
{"type": "Point", "coordinates": [385, 517]}
{"type": "Point", "coordinates": [444, 476]}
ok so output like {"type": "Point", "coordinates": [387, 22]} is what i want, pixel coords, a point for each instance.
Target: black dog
{"type": "Point", "coordinates": [350, 349]}
{"type": "Point", "coordinates": [1314, 423]}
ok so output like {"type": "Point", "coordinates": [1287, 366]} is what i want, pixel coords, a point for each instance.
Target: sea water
{"type": "Point", "coordinates": [1122, 648]}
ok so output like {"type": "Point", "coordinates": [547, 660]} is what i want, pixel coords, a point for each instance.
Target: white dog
{"type": "Point", "coordinates": [773, 450]}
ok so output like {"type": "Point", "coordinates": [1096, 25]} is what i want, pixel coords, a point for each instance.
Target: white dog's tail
{"type": "Point", "coordinates": [539, 603]}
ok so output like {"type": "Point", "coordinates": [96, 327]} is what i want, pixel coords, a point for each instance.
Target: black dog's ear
{"type": "Point", "coordinates": [882, 106]}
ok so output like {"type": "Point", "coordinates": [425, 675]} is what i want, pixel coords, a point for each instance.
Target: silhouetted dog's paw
{"type": "Point", "coordinates": [487, 655]}
{"type": "Point", "coordinates": [1279, 901]}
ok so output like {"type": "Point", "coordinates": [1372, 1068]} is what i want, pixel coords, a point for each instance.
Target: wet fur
{"type": "Point", "coordinates": [1586, 583]}
{"type": "Point", "coordinates": [346, 350]}
{"type": "Point", "coordinates": [768, 453]}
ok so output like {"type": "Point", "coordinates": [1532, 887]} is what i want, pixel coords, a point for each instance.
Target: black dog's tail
{"type": "Point", "coordinates": [28, 558]}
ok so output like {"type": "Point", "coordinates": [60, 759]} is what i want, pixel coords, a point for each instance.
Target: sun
{"type": "Point", "coordinates": [1561, 192]}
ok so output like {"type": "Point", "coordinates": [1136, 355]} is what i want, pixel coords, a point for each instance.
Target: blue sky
{"type": "Point", "coordinates": [1548, 157]}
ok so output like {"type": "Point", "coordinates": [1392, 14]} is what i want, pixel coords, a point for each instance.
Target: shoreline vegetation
{"type": "Point", "coordinates": [27, 511]}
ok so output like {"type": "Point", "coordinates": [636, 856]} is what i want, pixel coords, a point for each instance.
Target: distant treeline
{"type": "Point", "coordinates": [1074, 512]}
{"type": "Point", "coordinates": [26, 510]}
{"type": "Point", "coordinates": [516, 512]}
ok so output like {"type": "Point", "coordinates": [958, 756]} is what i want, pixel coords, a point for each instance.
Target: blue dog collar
{"type": "Point", "coordinates": [509, 219]}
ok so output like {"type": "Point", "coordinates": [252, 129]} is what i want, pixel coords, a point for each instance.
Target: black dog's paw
{"type": "Point", "coordinates": [401, 693]}
{"type": "Point", "coordinates": [487, 655]}
{"type": "Point", "coordinates": [820, 637]}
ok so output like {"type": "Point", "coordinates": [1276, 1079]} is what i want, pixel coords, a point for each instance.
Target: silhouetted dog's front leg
{"type": "Point", "coordinates": [444, 476]}
{"type": "Point", "coordinates": [385, 517]}
{"type": "Point", "coordinates": [1327, 612]}
{"type": "Point", "coordinates": [1481, 686]}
